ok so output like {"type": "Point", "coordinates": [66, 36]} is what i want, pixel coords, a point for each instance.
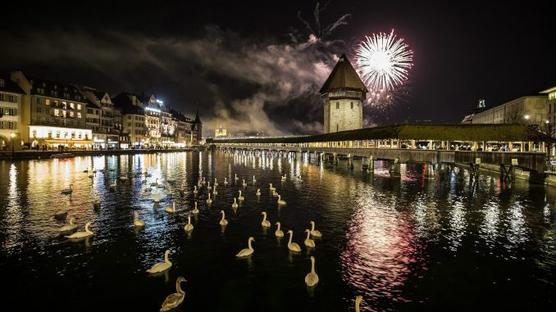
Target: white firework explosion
{"type": "Point", "coordinates": [383, 62]}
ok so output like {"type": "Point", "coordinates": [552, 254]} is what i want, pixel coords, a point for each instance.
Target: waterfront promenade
{"type": "Point", "coordinates": [43, 154]}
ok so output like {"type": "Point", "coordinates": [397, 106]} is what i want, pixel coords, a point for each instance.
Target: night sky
{"type": "Point", "coordinates": [250, 66]}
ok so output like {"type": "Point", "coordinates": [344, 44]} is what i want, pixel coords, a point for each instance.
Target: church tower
{"type": "Point", "coordinates": [343, 94]}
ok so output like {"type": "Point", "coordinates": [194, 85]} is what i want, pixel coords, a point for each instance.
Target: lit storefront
{"type": "Point", "coordinates": [53, 137]}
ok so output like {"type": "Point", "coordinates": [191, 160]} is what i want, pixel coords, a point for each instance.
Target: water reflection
{"type": "Point", "coordinates": [395, 240]}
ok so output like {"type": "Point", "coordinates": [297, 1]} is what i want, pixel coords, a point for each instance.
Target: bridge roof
{"type": "Point", "coordinates": [446, 132]}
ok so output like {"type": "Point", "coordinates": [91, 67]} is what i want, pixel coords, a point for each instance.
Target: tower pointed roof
{"type": "Point", "coordinates": [197, 119]}
{"type": "Point", "coordinates": [343, 76]}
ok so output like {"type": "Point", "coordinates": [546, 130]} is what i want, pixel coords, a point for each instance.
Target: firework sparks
{"type": "Point", "coordinates": [383, 61]}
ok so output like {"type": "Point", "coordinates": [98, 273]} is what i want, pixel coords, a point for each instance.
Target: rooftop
{"type": "Point", "coordinates": [343, 76]}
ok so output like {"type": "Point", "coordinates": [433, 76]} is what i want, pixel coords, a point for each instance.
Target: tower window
{"type": "Point", "coordinates": [337, 105]}
{"type": "Point", "coordinates": [351, 105]}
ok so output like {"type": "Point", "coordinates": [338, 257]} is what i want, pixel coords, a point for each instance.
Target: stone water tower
{"type": "Point", "coordinates": [343, 94]}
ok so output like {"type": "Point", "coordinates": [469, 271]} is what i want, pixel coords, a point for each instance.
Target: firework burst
{"type": "Point", "coordinates": [383, 62]}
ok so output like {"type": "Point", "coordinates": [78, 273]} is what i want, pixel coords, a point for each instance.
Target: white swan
{"type": "Point", "coordinates": [83, 234]}
{"type": "Point", "coordinates": [174, 300]}
{"type": "Point", "coordinates": [67, 190]}
{"type": "Point", "coordinates": [291, 245]}
{"type": "Point", "coordinates": [209, 200]}
{"type": "Point", "coordinates": [358, 300]}
{"type": "Point", "coordinates": [155, 183]}
{"type": "Point", "coordinates": [225, 181]}
{"type": "Point", "coordinates": [308, 241]}
{"type": "Point", "coordinates": [69, 227]}
{"type": "Point", "coordinates": [209, 187]}
{"type": "Point", "coordinates": [136, 221]}
{"type": "Point", "coordinates": [280, 200]}
{"type": "Point", "coordinates": [278, 233]}
{"type": "Point", "coordinates": [265, 222]}
{"type": "Point", "coordinates": [114, 185]}
{"type": "Point", "coordinates": [247, 251]}
{"type": "Point", "coordinates": [235, 205]}
{"type": "Point", "coordinates": [188, 227]}
{"type": "Point", "coordinates": [195, 190]}
{"type": "Point", "coordinates": [244, 183]}
{"type": "Point", "coordinates": [156, 197]}
{"type": "Point", "coordinates": [258, 193]}
{"type": "Point", "coordinates": [223, 221]}
{"type": "Point", "coordinates": [215, 182]}
{"type": "Point", "coordinates": [254, 180]}
{"type": "Point", "coordinates": [235, 177]}
{"type": "Point", "coordinates": [312, 279]}
{"type": "Point", "coordinates": [271, 188]}
{"type": "Point", "coordinates": [214, 191]}
{"type": "Point", "coordinates": [283, 178]}
{"type": "Point", "coordinates": [315, 233]}
{"type": "Point", "coordinates": [240, 197]}
{"type": "Point", "coordinates": [195, 210]}
{"type": "Point", "coordinates": [171, 209]}
{"type": "Point", "coordinates": [161, 266]}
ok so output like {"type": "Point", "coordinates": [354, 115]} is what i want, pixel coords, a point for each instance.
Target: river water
{"type": "Point", "coordinates": [409, 243]}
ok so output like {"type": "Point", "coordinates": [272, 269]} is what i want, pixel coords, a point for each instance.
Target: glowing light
{"type": "Point", "coordinates": [383, 61]}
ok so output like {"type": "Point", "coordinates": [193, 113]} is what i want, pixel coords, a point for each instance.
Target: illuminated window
{"type": "Point", "coordinates": [72, 106]}
{"type": "Point", "coordinates": [56, 112]}
{"type": "Point", "coordinates": [47, 101]}
{"type": "Point", "coordinates": [79, 106]}
{"type": "Point", "coordinates": [71, 114]}
{"type": "Point", "coordinates": [57, 134]}
{"type": "Point", "coordinates": [78, 115]}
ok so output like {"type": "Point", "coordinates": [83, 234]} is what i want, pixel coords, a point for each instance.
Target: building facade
{"type": "Point", "coordinates": [10, 114]}
{"type": "Point", "coordinates": [106, 134]}
{"type": "Point", "coordinates": [53, 114]}
{"type": "Point", "coordinates": [343, 94]}
{"type": "Point", "coordinates": [530, 110]}
{"type": "Point", "coordinates": [133, 119]}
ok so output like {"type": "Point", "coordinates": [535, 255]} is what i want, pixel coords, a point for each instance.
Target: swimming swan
{"type": "Point", "coordinates": [293, 246]}
{"type": "Point", "coordinates": [188, 227]}
{"type": "Point", "coordinates": [315, 233]}
{"type": "Point", "coordinates": [258, 193]}
{"type": "Point", "coordinates": [235, 205]}
{"type": "Point", "coordinates": [312, 279]}
{"type": "Point", "coordinates": [358, 300]}
{"type": "Point", "coordinates": [70, 227]}
{"type": "Point", "coordinates": [265, 222]}
{"type": "Point", "coordinates": [308, 241]}
{"type": "Point", "coordinates": [278, 233]}
{"type": "Point", "coordinates": [136, 221]}
{"type": "Point", "coordinates": [223, 221]}
{"type": "Point", "coordinates": [195, 210]}
{"type": "Point", "coordinates": [240, 197]}
{"type": "Point", "coordinates": [247, 251]}
{"type": "Point", "coordinates": [68, 190]}
{"type": "Point", "coordinates": [161, 266]}
{"type": "Point", "coordinates": [280, 200]}
{"type": "Point", "coordinates": [209, 200]}
{"type": "Point", "coordinates": [171, 209]}
{"type": "Point", "coordinates": [174, 300]}
{"type": "Point", "coordinates": [84, 234]}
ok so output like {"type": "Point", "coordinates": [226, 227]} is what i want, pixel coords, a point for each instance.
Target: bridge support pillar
{"type": "Point", "coordinates": [350, 162]}
{"type": "Point", "coordinates": [334, 159]}
{"type": "Point", "coordinates": [429, 171]}
{"type": "Point", "coordinates": [395, 168]}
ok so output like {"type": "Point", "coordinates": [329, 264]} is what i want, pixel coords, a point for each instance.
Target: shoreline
{"type": "Point", "coordinates": [32, 154]}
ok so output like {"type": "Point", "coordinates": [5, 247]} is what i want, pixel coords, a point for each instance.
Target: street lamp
{"type": "Point", "coordinates": [12, 136]}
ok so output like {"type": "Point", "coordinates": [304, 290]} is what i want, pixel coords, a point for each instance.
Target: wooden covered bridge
{"type": "Point", "coordinates": [490, 146]}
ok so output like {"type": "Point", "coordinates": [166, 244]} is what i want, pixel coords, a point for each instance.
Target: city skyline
{"type": "Point", "coordinates": [478, 53]}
